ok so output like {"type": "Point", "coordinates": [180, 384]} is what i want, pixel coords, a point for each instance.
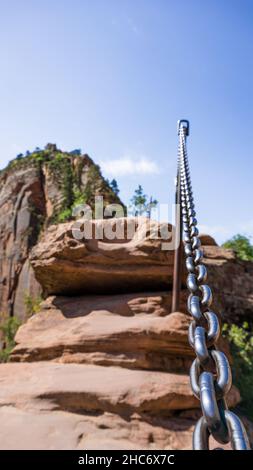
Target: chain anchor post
{"type": "Point", "coordinates": [178, 253]}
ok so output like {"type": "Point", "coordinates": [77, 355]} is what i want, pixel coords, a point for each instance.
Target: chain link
{"type": "Point", "coordinates": [210, 373]}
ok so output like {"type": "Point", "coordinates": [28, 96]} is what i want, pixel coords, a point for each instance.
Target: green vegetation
{"type": "Point", "coordinates": [36, 224]}
{"type": "Point", "coordinates": [67, 171]}
{"type": "Point", "coordinates": [139, 201]}
{"type": "Point", "coordinates": [141, 204]}
{"type": "Point", "coordinates": [61, 165]}
{"type": "Point", "coordinates": [10, 325]}
{"type": "Point", "coordinates": [36, 157]}
{"type": "Point", "coordinates": [32, 304]}
{"type": "Point", "coordinates": [64, 215]}
{"type": "Point", "coordinates": [79, 197]}
{"type": "Point", "coordinates": [114, 186]}
{"type": "Point", "coordinates": [8, 329]}
{"type": "Point", "coordinates": [242, 247]}
{"type": "Point", "coordinates": [74, 196]}
{"type": "Point", "coordinates": [241, 343]}
{"type": "Point", "coordinates": [76, 152]}
{"type": "Point", "coordinates": [68, 182]}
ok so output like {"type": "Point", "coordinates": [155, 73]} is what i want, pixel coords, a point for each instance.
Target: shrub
{"type": "Point", "coordinates": [242, 247]}
{"type": "Point", "coordinates": [8, 327]}
{"type": "Point", "coordinates": [241, 342]}
{"type": "Point", "coordinates": [32, 304]}
{"type": "Point", "coordinates": [64, 215]}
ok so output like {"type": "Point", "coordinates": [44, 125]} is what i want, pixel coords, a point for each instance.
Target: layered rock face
{"type": "Point", "coordinates": [104, 364]}
{"type": "Point", "coordinates": [22, 202]}
{"type": "Point", "coordinates": [231, 283]}
{"type": "Point", "coordinates": [104, 370]}
{"type": "Point", "coordinates": [99, 373]}
{"type": "Point", "coordinates": [46, 405]}
{"type": "Point", "coordinates": [65, 261]}
{"type": "Point", "coordinates": [34, 191]}
{"type": "Point", "coordinates": [131, 330]}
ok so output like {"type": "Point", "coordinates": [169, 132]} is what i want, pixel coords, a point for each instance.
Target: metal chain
{"type": "Point", "coordinates": [210, 373]}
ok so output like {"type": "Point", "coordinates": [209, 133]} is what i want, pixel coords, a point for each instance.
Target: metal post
{"type": "Point", "coordinates": [177, 271]}
{"type": "Point", "coordinates": [177, 253]}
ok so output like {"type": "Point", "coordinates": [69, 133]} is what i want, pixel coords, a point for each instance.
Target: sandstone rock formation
{"type": "Point", "coordinates": [90, 329]}
{"type": "Point", "coordinates": [104, 364]}
{"type": "Point", "coordinates": [34, 191]}
{"type": "Point", "coordinates": [67, 431]}
{"type": "Point", "coordinates": [111, 370]}
{"type": "Point", "coordinates": [92, 406]}
{"type": "Point", "coordinates": [64, 264]}
{"type": "Point", "coordinates": [136, 331]}
{"type": "Point", "coordinates": [71, 406]}
{"type": "Point", "coordinates": [76, 387]}
{"type": "Point", "coordinates": [231, 283]}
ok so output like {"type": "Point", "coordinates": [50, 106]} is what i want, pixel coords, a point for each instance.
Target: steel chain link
{"type": "Point", "coordinates": [210, 373]}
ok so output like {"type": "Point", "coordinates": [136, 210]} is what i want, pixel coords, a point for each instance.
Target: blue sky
{"type": "Point", "coordinates": [112, 78]}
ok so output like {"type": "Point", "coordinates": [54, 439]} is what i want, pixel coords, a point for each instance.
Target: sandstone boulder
{"type": "Point", "coordinates": [71, 406]}
{"type": "Point", "coordinates": [59, 430]}
{"type": "Point", "coordinates": [207, 240]}
{"type": "Point", "coordinates": [64, 264]}
{"type": "Point", "coordinates": [134, 331]}
{"type": "Point", "coordinates": [106, 431]}
{"type": "Point", "coordinates": [94, 388]}
{"type": "Point", "coordinates": [127, 330]}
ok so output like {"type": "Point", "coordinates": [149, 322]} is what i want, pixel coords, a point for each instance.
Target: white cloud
{"type": "Point", "coordinates": [129, 166]}
{"type": "Point", "coordinates": [216, 231]}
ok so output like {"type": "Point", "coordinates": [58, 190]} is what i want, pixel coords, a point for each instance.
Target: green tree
{"type": "Point", "coordinates": [76, 152]}
{"type": "Point", "coordinates": [151, 205]}
{"type": "Point", "coordinates": [141, 203]}
{"type": "Point", "coordinates": [242, 247]}
{"type": "Point", "coordinates": [114, 186]}
{"type": "Point", "coordinates": [67, 184]}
